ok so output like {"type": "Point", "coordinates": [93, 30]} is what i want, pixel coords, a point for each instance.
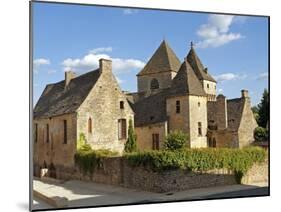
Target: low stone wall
{"type": "Point", "coordinates": [116, 171]}
{"type": "Point", "coordinates": [175, 180]}
{"type": "Point", "coordinates": [257, 174]}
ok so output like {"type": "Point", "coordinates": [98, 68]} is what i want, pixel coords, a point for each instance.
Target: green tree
{"type": "Point", "coordinates": [263, 109]}
{"type": "Point", "coordinates": [175, 140]}
{"type": "Point", "coordinates": [255, 110]}
{"type": "Point", "coordinates": [131, 144]}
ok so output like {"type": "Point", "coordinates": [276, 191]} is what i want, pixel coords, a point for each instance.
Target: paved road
{"type": "Point", "coordinates": [263, 191]}
{"type": "Point", "coordinates": [92, 194]}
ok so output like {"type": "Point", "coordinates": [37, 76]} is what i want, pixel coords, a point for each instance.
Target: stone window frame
{"type": "Point", "coordinates": [122, 129]}
{"type": "Point", "coordinates": [154, 84]}
{"type": "Point", "coordinates": [36, 133]}
{"type": "Point", "coordinates": [178, 106]}
{"type": "Point", "coordinates": [200, 129]}
{"type": "Point", "coordinates": [122, 105]}
{"type": "Point", "coordinates": [47, 133]}
{"type": "Point", "coordinates": [155, 141]}
{"type": "Point", "coordinates": [65, 131]}
{"type": "Point", "coordinates": [90, 125]}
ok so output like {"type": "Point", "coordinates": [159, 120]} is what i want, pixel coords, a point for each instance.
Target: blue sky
{"type": "Point", "coordinates": [74, 37]}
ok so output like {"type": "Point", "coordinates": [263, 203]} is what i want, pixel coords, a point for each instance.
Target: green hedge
{"type": "Point", "coordinates": [88, 160]}
{"type": "Point", "coordinates": [237, 160]}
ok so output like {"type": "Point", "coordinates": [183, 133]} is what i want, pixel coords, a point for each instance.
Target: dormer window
{"type": "Point", "coordinates": [154, 84]}
{"type": "Point", "coordinates": [208, 86]}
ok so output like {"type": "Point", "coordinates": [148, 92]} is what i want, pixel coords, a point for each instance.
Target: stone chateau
{"type": "Point", "coordinates": [172, 95]}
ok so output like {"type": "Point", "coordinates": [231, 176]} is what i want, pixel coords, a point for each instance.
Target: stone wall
{"type": "Point", "coordinates": [116, 171]}
{"type": "Point", "coordinates": [164, 79]}
{"type": "Point", "coordinates": [144, 135]}
{"type": "Point", "coordinates": [102, 106]}
{"type": "Point", "coordinates": [247, 125]}
{"type": "Point", "coordinates": [55, 150]}
{"type": "Point", "coordinates": [198, 113]}
{"type": "Point", "coordinates": [211, 90]}
{"type": "Point", "coordinates": [193, 110]}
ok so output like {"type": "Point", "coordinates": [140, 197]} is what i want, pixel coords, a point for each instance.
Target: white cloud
{"type": "Point", "coordinates": [51, 71]}
{"type": "Point", "coordinates": [262, 76]}
{"type": "Point", "coordinates": [39, 62]}
{"type": "Point", "coordinates": [101, 49]}
{"type": "Point", "coordinates": [229, 76]}
{"type": "Point", "coordinates": [129, 11]}
{"type": "Point", "coordinates": [216, 32]}
{"type": "Point", "coordinates": [91, 62]}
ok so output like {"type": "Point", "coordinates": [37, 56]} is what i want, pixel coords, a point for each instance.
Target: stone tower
{"type": "Point", "coordinates": [187, 106]}
{"type": "Point", "coordinates": [159, 71]}
{"type": "Point", "coordinates": [207, 81]}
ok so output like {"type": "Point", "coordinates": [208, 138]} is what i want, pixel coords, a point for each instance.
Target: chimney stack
{"type": "Point", "coordinates": [69, 75]}
{"type": "Point", "coordinates": [222, 112]}
{"type": "Point", "coordinates": [105, 65]}
{"type": "Point", "coordinates": [244, 94]}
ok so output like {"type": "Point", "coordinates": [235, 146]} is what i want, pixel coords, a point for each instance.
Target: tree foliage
{"type": "Point", "coordinates": [263, 110]}
{"type": "Point", "coordinates": [131, 144]}
{"type": "Point", "coordinates": [261, 134]}
{"type": "Point", "coordinates": [175, 140]}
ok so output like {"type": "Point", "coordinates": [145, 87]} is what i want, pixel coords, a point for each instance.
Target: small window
{"type": "Point", "coordinates": [214, 142]}
{"type": "Point", "coordinates": [36, 133]}
{"type": "Point", "coordinates": [122, 129]}
{"type": "Point", "coordinates": [208, 86]}
{"type": "Point", "coordinates": [64, 132]}
{"type": "Point", "coordinates": [48, 134]}
{"type": "Point", "coordinates": [178, 106]}
{"type": "Point", "coordinates": [199, 129]}
{"type": "Point", "coordinates": [89, 125]}
{"type": "Point", "coordinates": [154, 84]}
{"type": "Point", "coordinates": [121, 104]}
{"type": "Point", "coordinates": [199, 104]}
{"type": "Point", "coordinates": [155, 141]}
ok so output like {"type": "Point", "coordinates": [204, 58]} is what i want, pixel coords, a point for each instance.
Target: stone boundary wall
{"type": "Point", "coordinates": [116, 171]}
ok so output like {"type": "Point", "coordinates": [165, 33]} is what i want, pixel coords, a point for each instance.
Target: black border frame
{"type": "Point", "coordinates": [31, 104]}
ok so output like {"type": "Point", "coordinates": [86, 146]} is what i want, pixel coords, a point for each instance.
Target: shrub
{"type": "Point", "coordinates": [88, 160]}
{"type": "Point", "coordinates": [131, 145]}
{"type": "Point", "coordinates": [261, 134]}
{"type": "Point", "coordinates": [81, 141]}
{"type": "Point", "coordinates": [175, 140]}
{"type": "Point", "coordinates": [237, 160]}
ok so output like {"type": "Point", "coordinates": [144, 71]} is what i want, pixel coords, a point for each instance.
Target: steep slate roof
{"type": "Point", "coordinates": [234, 112]}
{"type": "Point", "coordinates": [198, 67]}
{"type": "Point", "coordinates": [56, 100]}
{"type": "Point", "coordinates": [151, 109]}
{"type": "Point", "coordinates": [186, 82]}
{"type": "Point", "coordinates": [164, 59]}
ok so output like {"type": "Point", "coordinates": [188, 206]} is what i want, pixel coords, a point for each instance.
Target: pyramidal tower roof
{"type": "Point", "coordinates": [164, 59]}
{"type": "Point", "coordinates": [197, 66]}
{"type": "Point", "coordinates": [186, 82]}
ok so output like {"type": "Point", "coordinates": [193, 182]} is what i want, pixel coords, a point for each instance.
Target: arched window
{"type": "Point", "coordinates": [154, 84]}
{"type": "Point", "coordinates": [89, 125]}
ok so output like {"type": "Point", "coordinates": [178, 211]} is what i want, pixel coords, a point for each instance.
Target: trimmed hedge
{"type": "Point", "coordinates": [237, 160]}
{"type": "Point", "coordinates": [88, 160]}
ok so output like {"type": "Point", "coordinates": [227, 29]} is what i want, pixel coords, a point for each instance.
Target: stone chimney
{"type": "Point", "coordinates": [221, 112]}
{"type": "Point", "coordinates": [105, 65]}
{"type": "Point", "coordinates": [244, 94]}
{"type": "Point", "coordinates": [69, 75]}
